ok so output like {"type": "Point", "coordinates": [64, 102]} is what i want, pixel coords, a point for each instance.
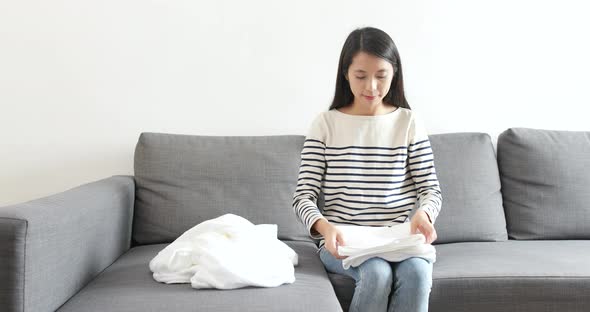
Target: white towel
{"type": "Point", "coordinates": [226, 252]}
{"type": "Point", "coordinates": [392, 243]}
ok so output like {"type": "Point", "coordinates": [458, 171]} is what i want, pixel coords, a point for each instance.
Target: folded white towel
{"type": "Point", "coordinates": [226, 252]}
{"type": "Point", "coordinates": [392, 243]}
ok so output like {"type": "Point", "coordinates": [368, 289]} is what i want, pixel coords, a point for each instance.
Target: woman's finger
{"type": "Point", "coordinates": [340, 239]}
{"type": "Point", "coordinates": [424, 230]}
{"type": "Point", "coordinates": [413, 227]}
{"type": "Point", "coordinates": [427, 231]}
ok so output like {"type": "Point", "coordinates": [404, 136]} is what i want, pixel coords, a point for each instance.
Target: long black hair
{"type": "Point", "coordinates": [378, 43]}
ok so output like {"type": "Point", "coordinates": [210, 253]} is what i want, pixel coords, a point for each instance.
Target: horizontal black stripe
{"type": "Point", "coordinates": [422, 175]}
{"type": "Point", "coordinates": [313, 159]}
{"type": "Point", "coordinates": [367, 168]}
{"type": "Point", "coordinates": [309, 178]}
{"type": "Point", "coordinates": [312, 172]}
{"type": "Point", "coordinates": [368, 188]}
{"type": "Point", "coordinates": [414, 156]}
{"type": "Point", "coordinates": [363, 154]}
{"type": "Point", "coordinates": [305, 193]}
{"type": "Point", "coordinates": [369, 195]}
{"type": "Point", "coordinates": [361, 181]}
{"type": "Point", "coordinates": [368, 203]}
{"type": "Point", "coordinates": [374, 175]}
{"type": "Point", "coordinates": [307, 165]}
{"type": "Point", "coordinates": [307, 184]}
{"type": "Point", "coordinates": [363, 174]}
{"type": "Point", "coordinates": [419, 162]}
{"type": "Point", "coordinates": [416, 143]}
{"type": "Point", "coordinates": [365, 208]}
{"type": "Point", "coordinates": [313, 146]}
{"type": "Point", "coordinates": [312, 153]}
{"type": "Point", "coordinates": [419, 149]}
{"type": "Point", "coordinates": [427, 187]}
{"type": "Point", "coordinates": [370, 161]}
{"type": "Point", "coordinates": [367, 147]}
{"type": "Point", "coordinates": [313, 140]}
{"type": "Point", "coordinates": [374, 225]}
{"type": "Point", "coordinates": [428, 180]}
{"type": "Point", "coordinates": [397, 213]}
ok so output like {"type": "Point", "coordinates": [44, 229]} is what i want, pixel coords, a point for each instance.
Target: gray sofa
{"type": "Point", "coordinates": [514, 231]}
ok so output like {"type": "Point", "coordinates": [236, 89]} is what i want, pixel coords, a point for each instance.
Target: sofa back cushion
{"type": "Point", "coordinates": [467, 171]}
{"type": "Point", "coordinates": [545, 177]}
{"type": "Point", "coordinates": [183, 180]}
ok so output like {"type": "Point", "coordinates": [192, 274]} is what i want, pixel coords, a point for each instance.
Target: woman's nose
{"type": "Point", "coordinates": [371, 84]}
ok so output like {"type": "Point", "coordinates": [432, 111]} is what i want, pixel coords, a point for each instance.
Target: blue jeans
{"type": "Point", "coordinates": [411, 280]}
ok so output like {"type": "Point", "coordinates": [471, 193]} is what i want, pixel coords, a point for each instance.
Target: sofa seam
{"type": "Point", "coordinates": [18, 219]}
{"type": "Point", "coordinates": [513, 277]}
{"type": "Point", "coordinates": [92, 279]}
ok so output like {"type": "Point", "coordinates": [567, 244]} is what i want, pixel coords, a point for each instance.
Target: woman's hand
{"type": "Point", "coordinates": [421, 223]}
{"type": "Point", "coordinates": [332, 237]}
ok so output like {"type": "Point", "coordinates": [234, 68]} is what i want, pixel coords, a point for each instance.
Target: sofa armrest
{"type": "Point", "coordinates": [53, 246]}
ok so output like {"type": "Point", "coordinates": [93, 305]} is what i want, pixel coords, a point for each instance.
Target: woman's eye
{"type": "Point", "coordinates": [360, 77]}
{"type": "Point", "coordinates": [382, 77]}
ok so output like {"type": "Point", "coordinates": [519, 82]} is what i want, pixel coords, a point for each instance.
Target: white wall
{"type": "Point", "coordinates": [80, 80]}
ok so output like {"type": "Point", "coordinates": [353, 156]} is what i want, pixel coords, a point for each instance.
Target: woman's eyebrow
{"type": "Point", "coordinates": [362, 71]}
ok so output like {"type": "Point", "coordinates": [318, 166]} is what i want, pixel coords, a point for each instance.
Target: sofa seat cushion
{"type": "Point", "coordinates": [127, 285]}
{"type": "Point", "coordinates": [500, 276]}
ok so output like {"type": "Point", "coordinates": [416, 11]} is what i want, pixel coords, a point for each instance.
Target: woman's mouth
{"type": "Point", "coordinates": [370, 98]}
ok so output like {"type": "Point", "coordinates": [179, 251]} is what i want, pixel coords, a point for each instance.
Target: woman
{"type": "Point", "coordinates": [370, 156]}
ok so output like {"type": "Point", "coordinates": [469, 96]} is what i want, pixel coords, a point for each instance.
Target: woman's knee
{"type": "Point", "coordinates": [377, 272]}
{"type": "Point", "coordinates": [415, 273]}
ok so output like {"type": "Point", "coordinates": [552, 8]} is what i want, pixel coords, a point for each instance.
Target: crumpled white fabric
{"type": "Point", "coordinates": [392, 243]}
{"type": "Point", "coordinates": [226, 252]}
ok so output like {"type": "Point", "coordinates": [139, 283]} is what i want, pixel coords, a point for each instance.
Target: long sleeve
{"type": "Point", "coordinates": [422, 170]}
{"type": "Point", "coordinates": [311, 174]}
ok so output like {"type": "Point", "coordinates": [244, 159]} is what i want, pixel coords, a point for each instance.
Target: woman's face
{"type": "Point", "coordinates": [370, 78]}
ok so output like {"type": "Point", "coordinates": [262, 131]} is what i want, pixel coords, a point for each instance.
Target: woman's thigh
{"type": "Point", "coordinates": [374, 268]}
{"type": "Point", "coordinates": [334, 265]}
{"type": "Point", "coordinates": [414, 270]}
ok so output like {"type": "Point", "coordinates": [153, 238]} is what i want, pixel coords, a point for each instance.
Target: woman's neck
{"type": "Point", "coordinates": [364, 110]}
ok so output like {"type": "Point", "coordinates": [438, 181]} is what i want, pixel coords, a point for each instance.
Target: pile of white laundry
{"type": "Point", "coordinates": [392, 243]}
{"type": "Point", "coordinates": [226, 252]}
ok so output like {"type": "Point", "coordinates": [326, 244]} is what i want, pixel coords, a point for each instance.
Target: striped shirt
{"type": "Point", "coordinates": [372, 170]}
